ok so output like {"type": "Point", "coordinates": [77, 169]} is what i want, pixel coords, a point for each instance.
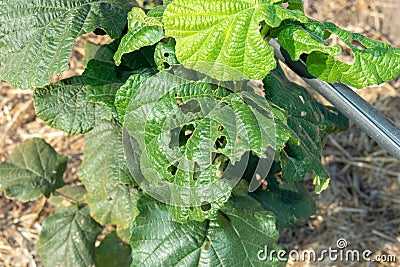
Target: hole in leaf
{"type": "Point", "coordinates": [220, 128]}
{"type": "Point", "coordinates": [166, 54]}
{"type": "Point", "coordinates": [179, 100]}
{"type": "Point", "coordinates": [357, 44]}
{"type": "Point", "coordinates": [166, 65]}
{"type": "Point", "coordinates": [172, 169]}
{"type": "Point", "coordinates": [223, 104]}
{"type": "Point", "coordinates": [304, 57]}
{"type": "Point", "coordinates": [185, 133]}
{"type": "Point", "coordinates": [207, 244]}
{"type": "Point", "coordinates": [197, 172]}
{"type": "Point", "coordinates": [222, 162]}
{"type": "Point", "coordinates": [205, 206]}
{"type": "Point", "coordinates": [302, 99]}
{"type": "Point", "coordinates": [220, 142]}
{"type": "Point", "coordinates": [327, 34]}
{"type": "Point", "coordinates": [100, 31]}
{"type": "Point", "coordinates": [192, 106]}
{"type": "Point", "coordinates": [331, 111]}
{"type": "Point", "coordinates": [347, 55]}
{"type": "Point", "coordinates": [213, 157]}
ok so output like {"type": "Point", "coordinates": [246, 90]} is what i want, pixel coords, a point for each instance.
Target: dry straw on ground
{"type": "Point", "coordinates": [362, 204]}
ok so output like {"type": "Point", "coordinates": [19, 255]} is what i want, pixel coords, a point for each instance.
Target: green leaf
{"type": "Point", "coordinates": [119, 208]}
{"type": "Point", "coordinates": [68, 194]}
{"type": "Point", "coordinates": [104, 163]}
{"type": "Point", "coordinates": [32, 170]}
{"type": "Point", "coordinates": [112, 252]}
{"type": "Point", "coordinates": [36, 37]}
{"type": "Point", "coordinates": [158, 11]}
{"type": "Point", "coordinates": [90, 53]}
{"type": "Point", "coordinates": [225, 125]}
{"type": "Point", "coordinates": [106, 176]}
{"type": "Point", "coordinates": [143, 31]}
{"type": "Point", "coordinates": [164, 55]}
{"type": "Point", "coordinates": [104, 94]}
{"type": "Point", "coordinates": [76, 192]}
{"type": "Point", "coordinates": [103, 78]}
{"type": "Point", "coordinates": [295, 4]}
{"type": "Point", "coordinates": [297, 41]}
{"type": "Point", "coordinates": [222, 38]}
{"type": "Point", "coordinates": [233, 238]}
{"type": "Point", "coordinates": [125, 94]}
{"type": "Point", "coordinates": [68, 237]}
{"type": "Point", "coordinates": [289, 201]}
{"type": "Point", "coordinates": [310, 122]}
{"type": "Point", "coordinates": [374, 63]}
{"type": "Point", "coordinates": [64, 105]}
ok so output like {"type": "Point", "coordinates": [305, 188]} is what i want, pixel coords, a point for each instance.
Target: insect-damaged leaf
{"type": "Point", "coordinates": [190, 133]}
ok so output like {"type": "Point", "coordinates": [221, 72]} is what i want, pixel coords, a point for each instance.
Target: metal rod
{"type": "Point", "coordinates": [365, 116]}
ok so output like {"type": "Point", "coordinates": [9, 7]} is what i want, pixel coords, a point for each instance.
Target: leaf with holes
{"type": "Point", "coordinates": [36, 37]}
{"type": "Point", "coordinates": [298, 40]}
{"type": "Point", "coordinates": [172, 118]}
{"type": "Point", "coordinates": [310, 122]}
{"type": "Point", "coordinates": [374, 62]}
{"type": "Point", "coordinates": [64, 105]}
{"type": "Point", "coordinates": [222, 38]}
{"type": "Point", "coordinates": [143, 30]}
{"type": "Point", "coordinates": [68, 237]}
{"type": "Point", "coordinates": [295, 4]}
{"type": "Point", "coordinates": [32, 170]}
{"type": "Point", "coordinates": [227, 240]}
{"type": "Point", "coordinates": [164, 55]}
